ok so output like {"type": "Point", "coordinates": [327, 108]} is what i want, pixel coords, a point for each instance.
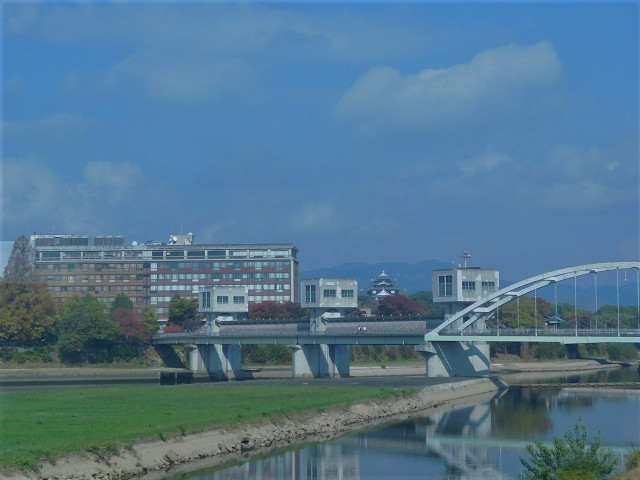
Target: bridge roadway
{"type": "Point", "coordinates": [342, 336]}
{"type": "Point", "coordinates": [538, 335]}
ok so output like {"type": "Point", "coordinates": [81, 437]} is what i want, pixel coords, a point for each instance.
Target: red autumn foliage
{"type": "Point", "coordinates": [401, 305]}
{"type": "Point", "coordinates": [269, 309]}
{"type": "Point", "coordinates": [131, 324]}
{"type": "Point", "coordinates": [172, 329]}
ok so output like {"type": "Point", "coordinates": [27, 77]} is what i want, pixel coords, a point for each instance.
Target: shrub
{"type": "Point", "coordinates": [633, 460]}
{"type": "Point", "coordinates": [549, 351]}
{"type": "Point", "coordinates": [622, 352]}
{"type": "Point", "coordinates": [573, 458]}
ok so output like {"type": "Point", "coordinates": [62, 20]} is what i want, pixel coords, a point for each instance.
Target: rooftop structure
{"type": "Point", "coordinates": [459, 287]}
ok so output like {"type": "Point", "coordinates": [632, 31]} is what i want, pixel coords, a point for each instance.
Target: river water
{"type": "Point", "coordinates": [481, 440]}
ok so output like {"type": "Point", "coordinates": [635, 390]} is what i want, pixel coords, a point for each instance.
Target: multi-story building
{"type": "Point", "coordinates": [152, 273]}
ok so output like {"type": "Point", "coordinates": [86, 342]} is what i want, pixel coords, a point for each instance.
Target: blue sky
{"type": "Point", "coordinates": [358, 131]}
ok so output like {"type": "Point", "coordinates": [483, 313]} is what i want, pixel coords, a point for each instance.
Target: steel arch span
{"type": "Point", "coordinates": [486, 306]}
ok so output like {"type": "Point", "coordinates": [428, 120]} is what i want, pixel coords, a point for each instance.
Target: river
{"type": "Point", "coordinates": [482, 440]}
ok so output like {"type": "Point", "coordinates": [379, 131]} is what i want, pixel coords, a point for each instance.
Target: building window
{"type": "Point", "coordinates": [238, 299]}
{"type": "Point", "coordinates": [222, 299]}
{"type": "Point", "coordinates": [310, 293]}
{"type": "Point", "coordinates": [347, 294]}
{"type": "Point", "coordinates": [469, 286]}
{"type": "Point", "coordinates": [329, 293]}
{"type": "Point", "coordinates": [206, 299]}
{"type": "Point", "coordinates": [445, 285]}
{"type": "Point", "coordinates": [490, 286]}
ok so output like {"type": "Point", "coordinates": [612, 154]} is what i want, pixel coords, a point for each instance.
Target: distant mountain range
{"type": "Point", "coordinates": [415, 277]}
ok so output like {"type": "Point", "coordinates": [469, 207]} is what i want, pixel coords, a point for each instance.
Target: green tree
{"type": "Point", "coordinates": [150, 318]}
{"type": "Point", "coordinates": [622, 352]}
{"type": "Point", "coordinates": [21, 263]}
{"type": "Point", "coordinates": [426, 297]}
{"type": "Point", "coordinates": [608, 317]}
{"type": "Point", "coordinates": [573, 458]}
{"type": "Point", "coordinates": [121, 301]}
{"type": "Point", "coordinates": [525, 313]}
{"type": "Point", "coordinates": [85, 332]}
{"type": "Point", "coordinates": [27, 308]}
{"type": "Point", "coordinates": [184, 312]}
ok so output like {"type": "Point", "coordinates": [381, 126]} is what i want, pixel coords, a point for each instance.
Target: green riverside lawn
{"type": "Point", "coordinates": [44, 425]}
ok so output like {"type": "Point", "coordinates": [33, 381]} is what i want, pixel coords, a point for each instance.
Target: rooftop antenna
{"type": "Point", "coordinates": [464, 256]}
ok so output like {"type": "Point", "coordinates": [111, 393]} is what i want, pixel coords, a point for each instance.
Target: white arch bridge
{"type": "Point", "coordinates": [470, 324]}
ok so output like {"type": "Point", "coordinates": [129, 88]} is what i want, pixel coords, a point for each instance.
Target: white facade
{"type": "Point", "coordinates": [220, 299]}
{"type": "Point", "coordinates": [464, 285]}
{"type": "Point", "coordinates": [330, 293]}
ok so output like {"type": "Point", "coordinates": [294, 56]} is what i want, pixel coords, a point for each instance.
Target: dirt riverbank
{"type": "Point", "coordinates": [214, 447]}
{"type": "Point", "coordinates": [157, 459]}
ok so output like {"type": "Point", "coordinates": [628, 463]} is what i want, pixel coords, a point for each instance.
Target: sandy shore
{"type": "Point", "coordinates": [153, 459]}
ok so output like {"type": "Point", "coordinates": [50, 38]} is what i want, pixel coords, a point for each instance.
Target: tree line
{"type": "Point", "coordinates": [81, 331]}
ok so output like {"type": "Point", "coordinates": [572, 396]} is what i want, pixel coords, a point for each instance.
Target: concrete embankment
{"type": "Point", "coordinates": [152, 459]}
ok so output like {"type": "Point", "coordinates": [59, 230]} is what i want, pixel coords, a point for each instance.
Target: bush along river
{"type": "Point", "coordinates": [483, 440]}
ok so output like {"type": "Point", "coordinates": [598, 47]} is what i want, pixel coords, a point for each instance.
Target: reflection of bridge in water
{"type": "Point", "coordinates": [316, 462]}
{"type": "Point", "coordinates": [463, 438]}
{"type": "Point", "coordinates": [462, 443]}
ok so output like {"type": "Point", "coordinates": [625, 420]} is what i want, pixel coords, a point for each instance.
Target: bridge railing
{"type": "Point", "coordinates": [343, 332]}
{"type": "Point", "coordinates": [564, 332]}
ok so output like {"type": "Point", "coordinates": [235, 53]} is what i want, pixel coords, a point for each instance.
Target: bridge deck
{"type": "Point", "coordinates": [290, 337]}
{"type": "Point", "coordinates": [540, 335]}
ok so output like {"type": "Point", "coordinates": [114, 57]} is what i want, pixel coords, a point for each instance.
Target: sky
{"type": "Point", "coordinates": [360, 132]}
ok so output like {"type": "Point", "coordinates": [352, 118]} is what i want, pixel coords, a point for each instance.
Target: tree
{"type": "Point", "coordinates": [21, 264]}
{"type": "Point", "coordinates": [573, 458]}
{"type": "Point", "coordinates": [150, 318]}
{"type": "Point", "coordinates": [426, 297]}
{"type": "Point", "coordinates": [270, 309]}
{"type": "Point", "coordinates": [134, 334]}
{"type": "Point", "coordinates": [525, 313]}
{"type": "Point", "coordinates": [121, 301]}
{"type": "Point", "coordinates": [400, 305]}
{"type": "Point", "coordinates": [27, 308]}
{"type": "Point", "coordinates": [85, 332]}
{"type": "Point", "coordinates": [184, 312]}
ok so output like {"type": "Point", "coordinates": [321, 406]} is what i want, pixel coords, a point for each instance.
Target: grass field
{"type": "Point", "coordinates": [44, 425]}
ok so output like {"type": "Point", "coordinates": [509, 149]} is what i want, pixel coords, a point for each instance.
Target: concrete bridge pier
{"type": "Point", "coordinates": [221, 362]}
{"type": "Point", "coordinates": [456, 359]}
{"type": "Point", "coordinates": [314, 361]}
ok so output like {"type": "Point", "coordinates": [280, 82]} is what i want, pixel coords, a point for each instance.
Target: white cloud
{"type": "Point", "coordinates": [483, 163]}
{"type": "Point", "coordinates": [315, 217]}
{"type": "Point", "coordinates": [29, 187]}
{"type": "Point", "coordinates": [180, 76]}
{"type": "Point", "coordinates": [52, 127]}
{"type": "Point", "coordinates": [33, 194]}
{"type": "Point", "coordinates": [113, 175]}
{"type": "Point", "coordinates": [579, 177]}
{"type": "Point", "coordinates": [384, 97]}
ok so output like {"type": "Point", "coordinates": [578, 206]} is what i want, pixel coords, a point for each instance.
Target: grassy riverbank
{"type": "Point", "coordinates": [44, 425]}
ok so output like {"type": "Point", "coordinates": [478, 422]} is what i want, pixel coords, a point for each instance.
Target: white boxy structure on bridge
{"type": "Point", "coordinates": [456, 289]}
{"type": "Point", "coordinates": [325, 298]}
{"type": "Point", "coordinates": [220, 304]}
